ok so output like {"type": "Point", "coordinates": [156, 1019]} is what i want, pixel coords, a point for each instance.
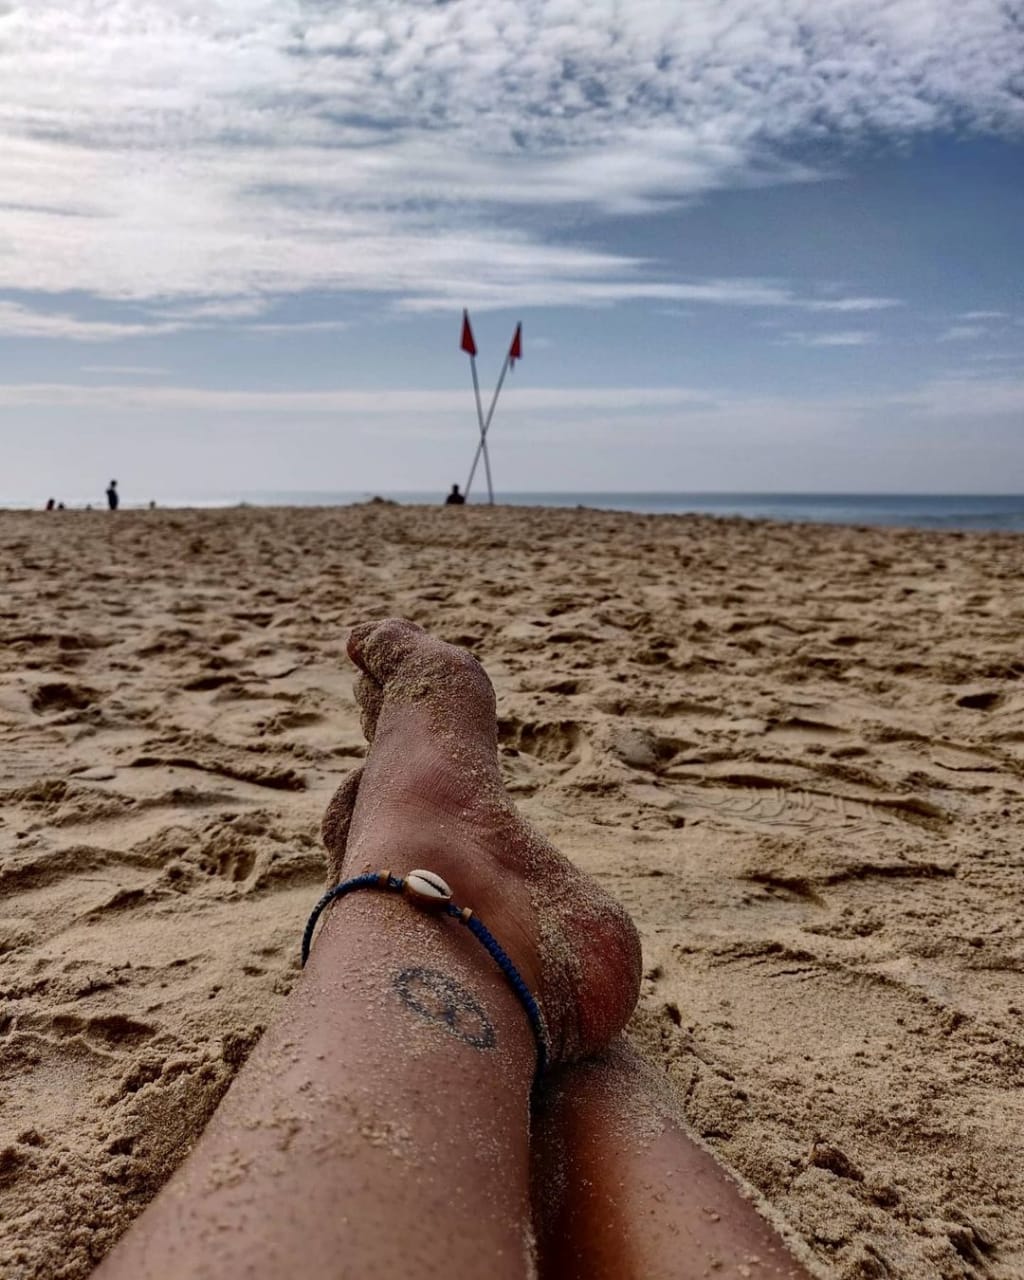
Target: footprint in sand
{"type": "Point", "coordinates": [555, 742]}
{"type": "Point", "coordinates": [58, 695]}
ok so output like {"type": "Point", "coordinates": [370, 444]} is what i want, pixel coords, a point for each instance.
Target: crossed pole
{"type": "Point", "coordinates": [514, 353]}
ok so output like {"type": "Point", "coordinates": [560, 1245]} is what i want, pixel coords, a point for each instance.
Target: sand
{"type": "Point", "coordinates": [795, 753]}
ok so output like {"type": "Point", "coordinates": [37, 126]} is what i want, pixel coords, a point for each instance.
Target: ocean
{"type": "Point", "coordinates": [921, 511]}
{"type": "Point", "coordinates": [998, 512]}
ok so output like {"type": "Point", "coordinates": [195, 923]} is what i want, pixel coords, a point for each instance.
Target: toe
{"type": "Point", "coordinates": [336, 824]}
{"type": "Point", "coordinates": [379, 648]}
{"type": "Point", "coordinates": [370, 697]}
{"type": "Point", "coordinates": [401, 663]}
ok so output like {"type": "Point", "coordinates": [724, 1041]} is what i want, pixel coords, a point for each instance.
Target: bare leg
{"type": "Point", "coordinates": [381, 1126]}
{"type": "Point", "coordinates": [620, 1190]}
{"type": "Point", "coordinates": [622, 1193]}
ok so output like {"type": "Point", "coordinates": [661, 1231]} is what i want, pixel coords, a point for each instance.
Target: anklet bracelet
{"type": "Point", "coordinates": [427, 889]}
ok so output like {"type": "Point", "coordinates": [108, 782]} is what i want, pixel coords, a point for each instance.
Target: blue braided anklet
{"type": "Point", "coordinates": [427, 889]}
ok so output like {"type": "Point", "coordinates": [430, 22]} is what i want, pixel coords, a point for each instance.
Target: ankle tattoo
{"type": "Point", "coordinates": [439, 999]}
{"type": "Point", "coordinates": [426, 889]}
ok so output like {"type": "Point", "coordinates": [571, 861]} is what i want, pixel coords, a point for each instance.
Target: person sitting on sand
{"type": "Point", "coordinates": [454, 499]}
{"type": "Point", "coordinates": [392, 1121]}
{"type": "Point", "coordinates": [112, 495]}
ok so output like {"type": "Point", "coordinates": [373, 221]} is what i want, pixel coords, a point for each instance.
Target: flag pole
{"type": "Point", "coordinates": [483, 443]}
{"type": "Point", "coordinates": [485, 425]}
{"type": "Point", "coordinates": [514, 353]}
{"type": "Point", "coordinates": [468, 345]}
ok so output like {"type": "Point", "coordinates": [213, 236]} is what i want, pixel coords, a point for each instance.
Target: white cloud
{"type": "Point", "coordinates": [126, 370]}
{"type": "Point", "coordinates": [961, 400]}
{"type": "Point", "coordinates": [483, 293]}
{"type": "Point", "coordinates": [963, 333]}
{"type": "Point", "coordinates": [177, 442]}
{"type": "Point", "coordinates": [161, 149]}
{"type": "Point", "coordinates": [840, 338]}
{"type": "Point", "coordinates": [953, 398]}
{"type": "Point", "coordinates": [217, 309]}
{"type": "Point", "coordinates": [854, 304]}
{"type": "Point", "coordinates": [984, 315]}
{"type": "Point", "coordinates": [18, 321]}
{"type": "Point", "coordinates": [408, 403]}
{"type": "Point", "coordinates": [300, 326]}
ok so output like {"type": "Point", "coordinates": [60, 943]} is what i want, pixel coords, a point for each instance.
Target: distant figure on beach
{"type": "Point", "coordinates": [112, 496]}
{"type": "Point", "coordinates": [50, 504]}
{"type": "Point", "coordinates": [454, 499]}
{"type": "Point", "coordinates": [60, 506]}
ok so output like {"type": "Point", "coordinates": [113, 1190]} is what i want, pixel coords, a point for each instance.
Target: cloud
{"type": "Point", "coordinates": [984, 315]}
{"type": "Point", "coordinates": [841, 338]}
{"type": "Point", "coordinates": [18, 321]}
{"type": "Point", "coordinates": [171, 441]}
{"type": "Point", "coordinates": [952, 398]}
{"type": "Point", "coordinates": [558, 287]}
{"type": "Point", "coordinates": [963, 333]}
{"type": "Point", "coordinates": [961, 400]}
{"type": "Point", "coordinates": [217, 309]}
{"type": "Point", "coordinates": [249, 148]}
{"type": "Point", "coordinates": [126, 370]}
{"type": "Point", "coordinates": [300, 326]}
{"type": "Point", "coordinates": [333, 401]}
{"type": "Point", "coordinates": [854, 304]}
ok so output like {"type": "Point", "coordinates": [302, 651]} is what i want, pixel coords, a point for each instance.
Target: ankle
{"type": "Point", "coordinates": [477, 876]}
{"type": "Point", "coordinates": [430, 963]}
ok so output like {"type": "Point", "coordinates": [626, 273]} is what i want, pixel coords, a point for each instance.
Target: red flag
{"type": "Point", "coordinates": [515, 351]}
{"type": "Point", "coordinates": [467, 343]}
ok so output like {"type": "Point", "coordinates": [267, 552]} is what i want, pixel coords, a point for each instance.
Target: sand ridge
{"type": "Point", "coordinates": [795, 753]}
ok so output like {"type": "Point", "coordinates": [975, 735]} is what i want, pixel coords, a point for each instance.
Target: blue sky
{"type": "Point", "coordinates": [753, 246]}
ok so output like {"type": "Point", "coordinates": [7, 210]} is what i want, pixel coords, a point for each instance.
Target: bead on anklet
{"type": "Point", "coordinates": [428, 890]}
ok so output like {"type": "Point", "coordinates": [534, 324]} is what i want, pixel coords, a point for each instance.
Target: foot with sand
{"type": "Point", "coordinates": [383, 1125]}
{"type": "Point", "coordinates": [431, 794]}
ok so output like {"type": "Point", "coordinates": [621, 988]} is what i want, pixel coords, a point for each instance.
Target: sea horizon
{"type": "Point", "coordinates": [980, 512]}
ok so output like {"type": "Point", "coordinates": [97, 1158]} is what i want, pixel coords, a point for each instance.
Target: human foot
{"type": "Point", "coordinates": [430, 795]}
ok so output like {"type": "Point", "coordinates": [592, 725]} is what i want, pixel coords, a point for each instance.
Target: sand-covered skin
{"type": "Point", "coordinates": [795, 753]}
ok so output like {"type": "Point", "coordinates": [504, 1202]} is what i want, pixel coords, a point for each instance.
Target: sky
{"type": "Point", "coordinates": [755, 245]}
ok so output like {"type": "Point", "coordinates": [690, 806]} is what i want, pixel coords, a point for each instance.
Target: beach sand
{"type": "Point", "coordinates": [795, 753]}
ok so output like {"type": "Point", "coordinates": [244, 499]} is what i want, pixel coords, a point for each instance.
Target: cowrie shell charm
{"type": "Point", "coordinates": [427, 889]}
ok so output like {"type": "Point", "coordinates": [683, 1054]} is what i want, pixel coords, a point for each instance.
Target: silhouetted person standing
{"type": "Point", "coordinates": [50, 504]}
{"type": "Point", "coordinates": [454, 499]}
{"type": "Point", "coordinates": [112, 496]}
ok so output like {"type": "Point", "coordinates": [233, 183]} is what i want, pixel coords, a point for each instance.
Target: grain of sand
{"type": "Point", "coordinates": [794, 753]}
